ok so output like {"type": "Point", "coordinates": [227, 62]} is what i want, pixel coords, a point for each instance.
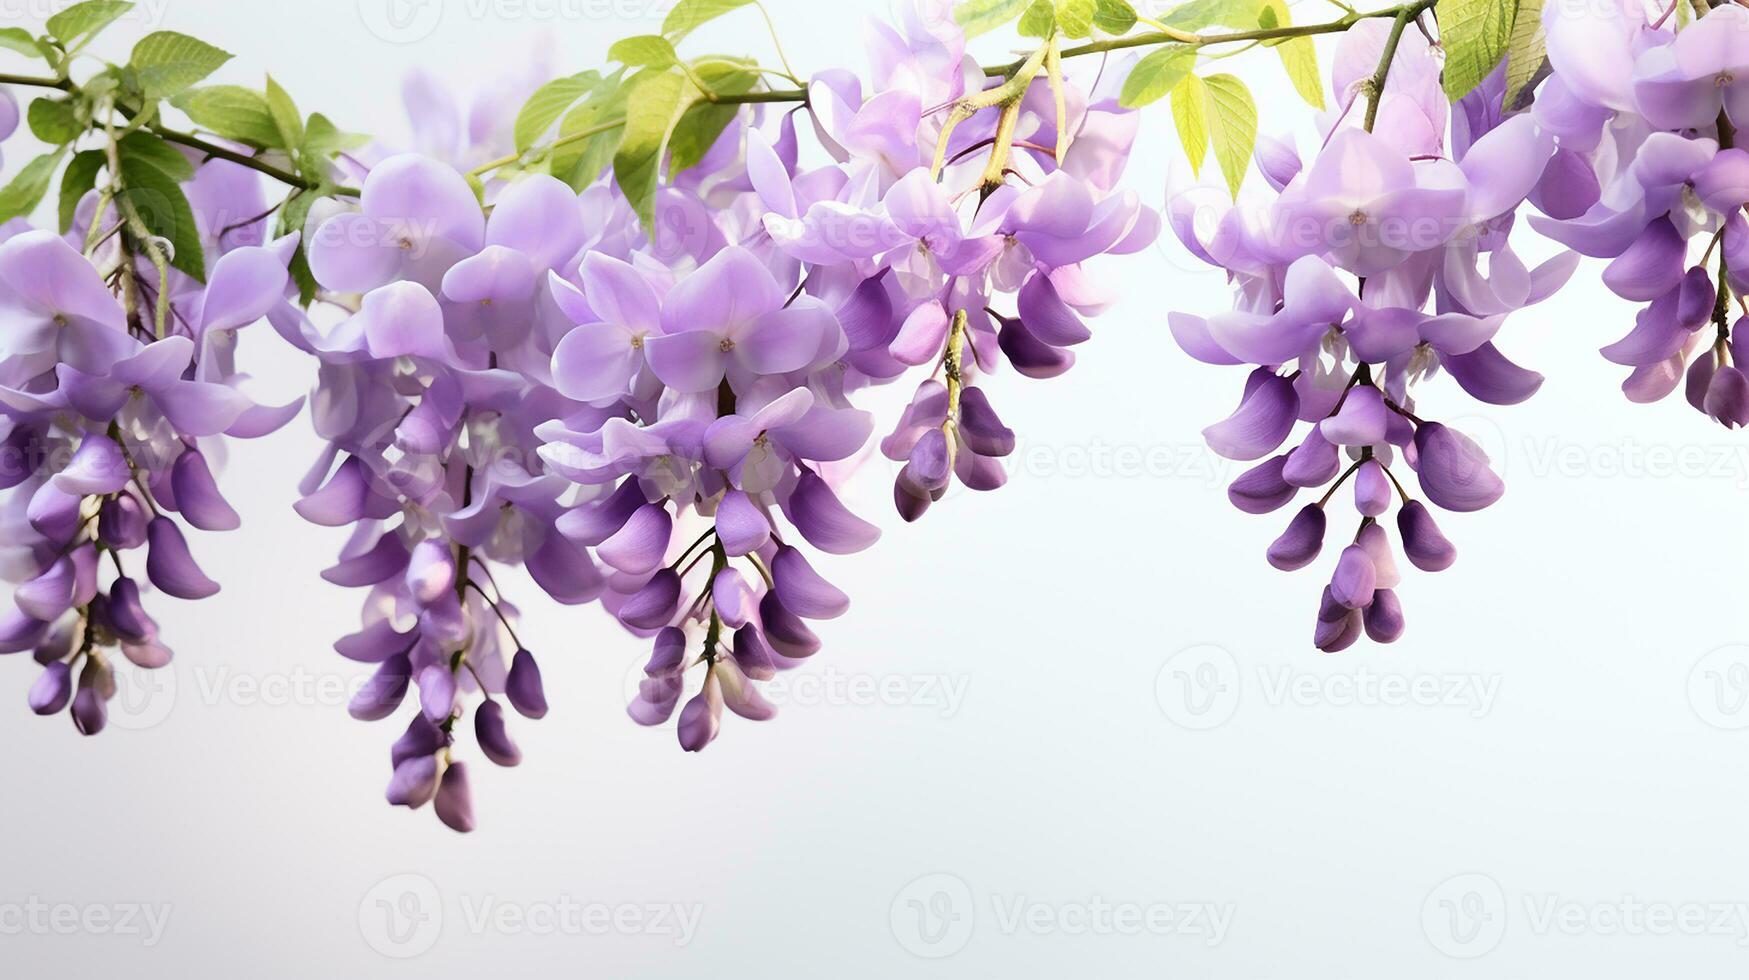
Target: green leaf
{"type": "Point", "coordinates": [977, 17]}
{"type": "Point", "coordinates": [548, 102]}
{"type": "Point", "coordinates": [79, 177]}
{"type": "Point", "coordinates": [1474, 34]}
{"type": "Point", "coordinates": [323, 139]}
{"type": "Point", "coordinates": [284, 111]}
{"type": "Point", "coordinates": [1526, 50]}
{"type": "Point", "coordinates": [20, 40]}
{"type": "Point", "coordinates": [1115, 17]}
{"type": "Point", "coordinates": [168, 62]}
{"type": "Point", "coordinates": [83, 19]}
{"type": "Point", "coordinates": [1039, 20]}
{"type": "Point", "coordinates": [1075, 17]}
{"type": "Point", "coordinates": [644, 51]}
{"type": "Point", "coordinates": [1232, 122]}
{"type": "Point", "coordinates": [579, 163]}
{"type": "Point", "coordinates": [21, 197]}
{"type": "Point", "coordinates": [1190, 115]}
{"type": "Point", "coordinates": [164, 210]}
{"type": "Point", "coordinates": [1298, 55]}
{"type": "Point", "coordinates": [291, 218]}
{"type": "Point", "coordinates": [701, 125]}
{"type": "Point", "coordinates": [1158, 73]}
{"type": "Point", "coordinates": [689, 14]}
{"type": "Point", "coordinates": [652, 109]}
{"type": "Point", "coordinates": [54, 121]}
{"type": "Point", "coordinates": [1198, 14]}
{"type": "Point", "coordinates": [231, 111]}
{"type": "Point", "coordinates": [140, 149]}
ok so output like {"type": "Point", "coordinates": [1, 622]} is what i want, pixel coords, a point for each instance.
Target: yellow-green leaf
{"type": "Point", "coordinates": [1474, 34]}
{"type": "Point", "coordinates": [643, 51]}
{"type": "Point", "coordinates": [1115, 17]}
{"type": "Point", "coordinates": [1526, 50]}
{"type": "Point", "coordinates": [1232, 122]}
{"type": "Point", "coordinates": [688, 14]}
{"type": "Point", "coordinates": [231, 111]}
{"type": "Point", "coordinates": [1190, 115]}
{"type": "Point", "coordinates": [652, 109]}
{"type": "Point", "coordinates": [547, 103]}
{"type": "Point", "coordinates": [1158, 73]}
{"type": "Point", "coordinates": [20, 197]}
{"type": "Point", "coordinates": [83, 19]}
{"type": "Point", "coordinates": [167, 62]}
{"type": "Point", "coordinates": [285, 115]}
{"type": "Point", "coordinates": [1075, 17]}
{"type": "Point", "coordinates": [977, 17]}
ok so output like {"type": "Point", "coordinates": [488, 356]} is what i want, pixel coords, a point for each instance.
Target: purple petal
{"type": "Point", "coordinates": [1262, 421]}
{"type": "Point", "coordinates": [169, 565]}
{"type": "Point", "coordinates": [639, 546]}
{"type": "Point", "coordinates": [824, 521]}
{"type": "Point", "coordinates": [197, 494]}
{"type": "Point", "coordinates": [1453, 469]}
{"type": "Point", "coordinates": [802, 590]}
{"type": "Point", "coordinates": [1300, 544]}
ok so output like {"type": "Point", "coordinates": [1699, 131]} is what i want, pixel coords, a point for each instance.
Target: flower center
{"type": "Point", "coordinates": [637, 341]}
{"type": "Point", "coordinates": [1724, 79]}
{"type": "Point", "coordinates": [60, 321]}
{"type": "Point", "coordinates": [1358, 218]}
{"type": "Point", "coordinates": [726, 346]}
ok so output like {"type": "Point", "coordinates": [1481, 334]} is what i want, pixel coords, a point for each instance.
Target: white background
{"type": "Point", "coordinates": [1578, 754]}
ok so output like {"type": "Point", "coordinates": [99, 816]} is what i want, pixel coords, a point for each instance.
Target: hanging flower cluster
{"type": "Point", "coordinates": [621, 338]}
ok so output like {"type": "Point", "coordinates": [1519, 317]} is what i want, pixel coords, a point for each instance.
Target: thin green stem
{"type": "Point", "coordinates": [1376, 87]}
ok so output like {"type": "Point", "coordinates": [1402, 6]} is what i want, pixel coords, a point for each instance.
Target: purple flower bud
{"type": "Point", "coordinates": [127, 614]}
{"type": "Point", "coordinates": [455, 799]}
{"type": "Point", "coordinates": [1261, 488]}
{"type": "Point", "coordinates": [702, 716]}
{"type": "Point", "coordinates": [197, 494]}
{"type": "Point", "coordinates": [980, 427]}
{"type": "Point", "coordinates": [1426, 547]}
{"type": "Point", "coordinates": [121, 522]}
{"type": "Point", "coordinates": [802, 590]}
{"type": "Point", "coordinates": [1299, 545]}
{"type": "Point", "coordinates": [596, 521]}
{"type": "Point", "coordinates": [1031, 357]}
{"type": "Point", "coordinates": [1700, 378]}
{"type": "Point", "coordinates": [824, 520]}
{"type": "Point", "coordinates": [90, 711]}
{"type": "Point", "coordinates": [638, 547]}
{"type": "Point", "coordinates": [340, 501]}
{"type": "Point", "coordinates": [385, 559]}
{"type": "Point", "coordinates": [654, 604]}
{"type": "Point", "coordinates": [1334, 636]}
{"type": "Point", "coordinates": [741, 526]}
{"type": "Point", "coordinates": [911, 508]}
{"type": "Point", "coordinates": [50, 594]}
{"type": "Point", "coordinates": [383, 693]}
{"type": "Point", "coordinates": [1384, 618]}
{"type": "Point", "coordinates": [19, 631]}
{"type": "Point", "coordinates": [414, 782]}
{"type": "Point", "coordinates": [493, 736]}
{"type": "Point", "coordinates": [97, 467]}
{"type": "Point", "coordinates": [169, 565]}
{"type": "Point", "coordinates": [1263, 420]}
{"type": "Point", "coordinates": [1698, 296]}
{"type": "Point", "coordinates": [523, 686]}
{"type": "Point", "coordinates": [1453, 469]}
{"type": "Point", "coordinates": [436, 693]}
{"type": "Point", "coordinates": [1377, 544]}
{"type": "Point", "coordinates": [431, 571]}
{"type": "Point", "coordinates": [1361, 421]}
{"type": "Point", "coordinates": [929, 466]}
{"type": "Point", "coordinates": [1353, 583]}
{"type": "Point", "coordinates": [1727, 397]}
{"type": "Point", "coordinates": [1652, 265]}
{"type": "Point", "coordinates": [53, 688]}
{"type": "Point", "coordinates": [54, 514]}
{"type": "Point", "coordinates": [785, 631]}
{"type": "Point", "coordinates": [752, 655]}
{"type": "Point", "coordinates": [1312, 463]}
{"type": "Point", "coordinates": [1372, 489]}
{"type": "Point", "coordinates": [421, 738]}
